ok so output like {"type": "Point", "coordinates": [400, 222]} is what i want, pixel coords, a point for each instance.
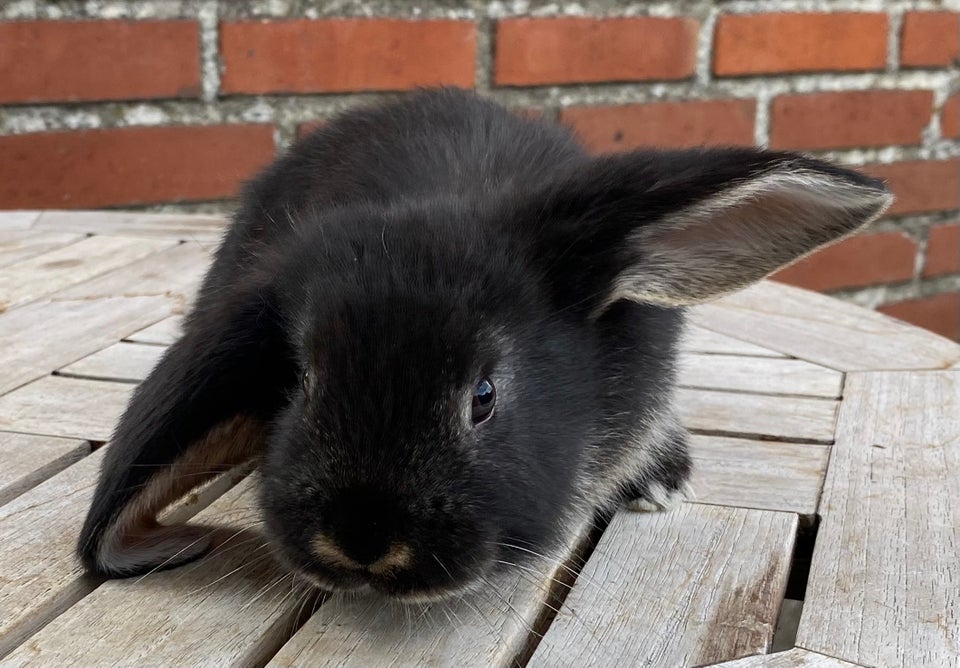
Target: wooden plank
{"type": "Point", "coordinates": [758, 415]}
{"type": "Point", "coordinates": [700, 340]}
{"type": "Point", "coordinates": [67, 407]}
{"type": "Point", "coordinates": [180, 226]}
{"type": "Point", "coordinates": [758, 474]}
{"type": "Point", "coordinates": [233, 608]}
{"type": "Point", "coordinates": [766, 375]}
{"type": "Point", "coordinates": [17, 245]}
{"type": "Point", "coordinates": [824, 330]}
{"type": "Point", "coordinates": [127, 362]}
{"type": "Point", "coordinates": [794, 658]}
{"type": "Point", "coordinates": [883, 588]}
{"type": "Point", "coordinates": [47, 273]}
{"type": "Point", "coordinates": [165, 332]}
{"type": "Point", "coordinates": [40, 337]}
{"type": "Point", "coordinates": [38, 531]}
{"type": "Point", "coordinates": [29, 460]}
{"type": "Point", "coordinates": [18, 220]}
{"type": "Point", "coordinates": [175, 273]}
{"type": "Point", "coordinates": [697, 585]}
{"type": "Point", "coordinates": [489, 627]}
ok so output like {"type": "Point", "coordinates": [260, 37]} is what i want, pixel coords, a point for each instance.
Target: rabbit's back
{"type": "Point", "coordinates": [433, 145]}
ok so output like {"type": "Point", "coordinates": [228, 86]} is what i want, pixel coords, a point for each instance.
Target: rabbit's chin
{"type": "Point", "coordinates": [357, 584]}
{"type": "Point", "coordinates": [401, 585]}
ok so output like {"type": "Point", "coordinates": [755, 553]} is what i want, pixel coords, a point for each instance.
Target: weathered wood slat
{"type": "Point", "coordinates": [487, 628]}
{"type": "Point", "coordinates": [698, 585]}
{"type": "Point", "coordinates": [165, 332]}
{"type": "Point", "coordinates": [50, 272]}
{"type": "Point", "coordinates": [758, 474]}
{"type": "Point", "coordinates": [19, 245]}
{"type": "Point", "coordinates": [132, 223]}
{"type": "Point", "coordinates": [18, 220]}
{"type": "Point", "coordinates": [175, 273]}
{"type": "Point", "coordinates": [824, 330]}
{"type": "Point", "coordinates": [766, 375]}
{"type": "Point", "coordinates": [781, 418]}
{"type": "Point", "coordinates": [40, 337]}
{"type": "Point", "coordinates": [29, 460]}
{"type": "Point", "coordinates": [700, 340]}
{"type": "Point", "coordinates": [67, 407]}
{"type": "Point", "coordinates": [128, 362]}
{"type": "Point", "coordinates": [884, 588]}
{"type": "Point", "coordinates": [794, 658]}
{"type": "Point", "coordinates": [38, 531]}
{"type": "Point", "coordinates": [233, 608]}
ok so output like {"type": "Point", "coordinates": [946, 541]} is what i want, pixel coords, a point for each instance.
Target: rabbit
{"type": "Point", "coordinates": [446, 334]}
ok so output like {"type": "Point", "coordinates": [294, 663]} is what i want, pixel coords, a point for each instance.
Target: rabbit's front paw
{"type": "Point", "coordinates": [657, 497]}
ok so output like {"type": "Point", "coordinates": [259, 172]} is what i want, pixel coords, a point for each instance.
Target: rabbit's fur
{"type": "Point", "coordinates": [386, 264]}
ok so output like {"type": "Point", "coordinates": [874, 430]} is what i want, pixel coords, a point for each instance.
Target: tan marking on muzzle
{"type": "Point", "coordinates": [326, 550]}
{"type": "Point", "coordinates": [399, 556]}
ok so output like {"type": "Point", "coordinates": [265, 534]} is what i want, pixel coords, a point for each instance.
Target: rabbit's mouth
{"type": "Point", "coordinates": [400, 589]}
{"type": "Point", "coordinates": [396, 576]}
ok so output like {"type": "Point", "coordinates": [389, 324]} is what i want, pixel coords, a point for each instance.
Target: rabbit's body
{"type": "Point", "coordinates": [448, 333]}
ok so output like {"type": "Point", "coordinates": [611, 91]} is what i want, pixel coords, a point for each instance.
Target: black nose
{"type": "Point", "coordinates": [364, 522]}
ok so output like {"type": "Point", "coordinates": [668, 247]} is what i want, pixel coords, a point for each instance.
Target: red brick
{"type": "Point", "coordinates": [930, 39]}
{"type": "Point", "coordinates": [340, 55]}
{"type": "Point", "coordinates": [940, 313]}
{"type": "Point", "coordinates": [921, 186]}
{"type": "Point", "coordinates": [799, 42]}
{"type": "Point", "coordinates": [130, 165]}
{"type": "Point", "coordinates": [67, 61]}
{"type": "Point", "coordinates": [850, 119]}
{"type": "Point", "coordinates": [950, 118]}
{"type": "Point", "coordinates": [943, 250]}
{"type": "Point", "coordinates": [304, 129]}
{"type": "Point", "coordinates": [855, 262]}
{"type": "Point", "coordinates": [537, 51]}
{"type": "Point", "coordinates": [673, 124]}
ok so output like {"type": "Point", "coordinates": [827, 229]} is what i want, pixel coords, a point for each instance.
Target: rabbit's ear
{"type": "Point", "coordinates": [681, 227]}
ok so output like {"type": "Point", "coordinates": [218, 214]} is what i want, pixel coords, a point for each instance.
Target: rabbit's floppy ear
{"type": "Point", "coordinates": [204, 409]}
{"type": "Point", "coordinates": [681, 227]}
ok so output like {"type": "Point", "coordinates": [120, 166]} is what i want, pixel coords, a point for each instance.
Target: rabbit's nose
{"type": "Point", "coordinates": [397, 556]}
{"type": "Point", "coordinates": [361, 527]}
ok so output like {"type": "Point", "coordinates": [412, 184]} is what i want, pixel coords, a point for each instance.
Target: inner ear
{"type": "Point", "coordinates": [741, 235]}
{"type": "Point", "coordinates": [136, 541]}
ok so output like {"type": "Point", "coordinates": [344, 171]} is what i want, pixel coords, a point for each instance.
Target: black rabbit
{"type": "Point", "coordinates": [445, 330]}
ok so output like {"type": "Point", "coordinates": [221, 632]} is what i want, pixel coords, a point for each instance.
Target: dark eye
{"type": "Point", "coordinates": [484, 397]}
{"type": "Point", "coordinates": [305, 381]}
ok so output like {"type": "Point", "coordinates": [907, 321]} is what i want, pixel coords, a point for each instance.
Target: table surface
{"type": "Point", "coordinates": [825, 529]}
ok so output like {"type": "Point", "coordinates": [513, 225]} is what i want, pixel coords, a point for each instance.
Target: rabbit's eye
{"type": "Point", "coordinates": [305, 381]}
{"type": "Point", "coordinates": [484, 397]}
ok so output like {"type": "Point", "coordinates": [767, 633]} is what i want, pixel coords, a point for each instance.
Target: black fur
{"type": "Point", "coordinates": [372, 276]}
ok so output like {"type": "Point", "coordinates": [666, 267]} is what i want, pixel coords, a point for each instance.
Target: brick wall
{"type": "Point", "coordinates": [168, 104]}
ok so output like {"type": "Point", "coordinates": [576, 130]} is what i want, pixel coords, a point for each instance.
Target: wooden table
{"type": "Point", "coordinates": [827, 443]}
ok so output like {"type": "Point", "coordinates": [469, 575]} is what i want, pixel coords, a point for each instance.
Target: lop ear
{"type": "Point", "coordinates": [203, 410]}
{"type": "Point", "coordinates": [681, 227]}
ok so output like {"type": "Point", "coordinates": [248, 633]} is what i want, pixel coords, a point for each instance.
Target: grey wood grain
{"type": "Point", "coordinates": [883, 587]}
{"type": "Point", "coordinates": [29, 460]}
{"type": "Point", "coordinates": [67, 407]}
{"type": "Point", "coordinates": [697, 585]}
{"type": "Point", "coordinates": [125, 362]}
{"type": "Point", "coordinates": [756, 415]}
{"type": "Point", "coordinates": [768, 475]}
{"type": "Point", "coordinates": [41, 337]}
{"type": "Point", "coordinates": [824, 330]}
